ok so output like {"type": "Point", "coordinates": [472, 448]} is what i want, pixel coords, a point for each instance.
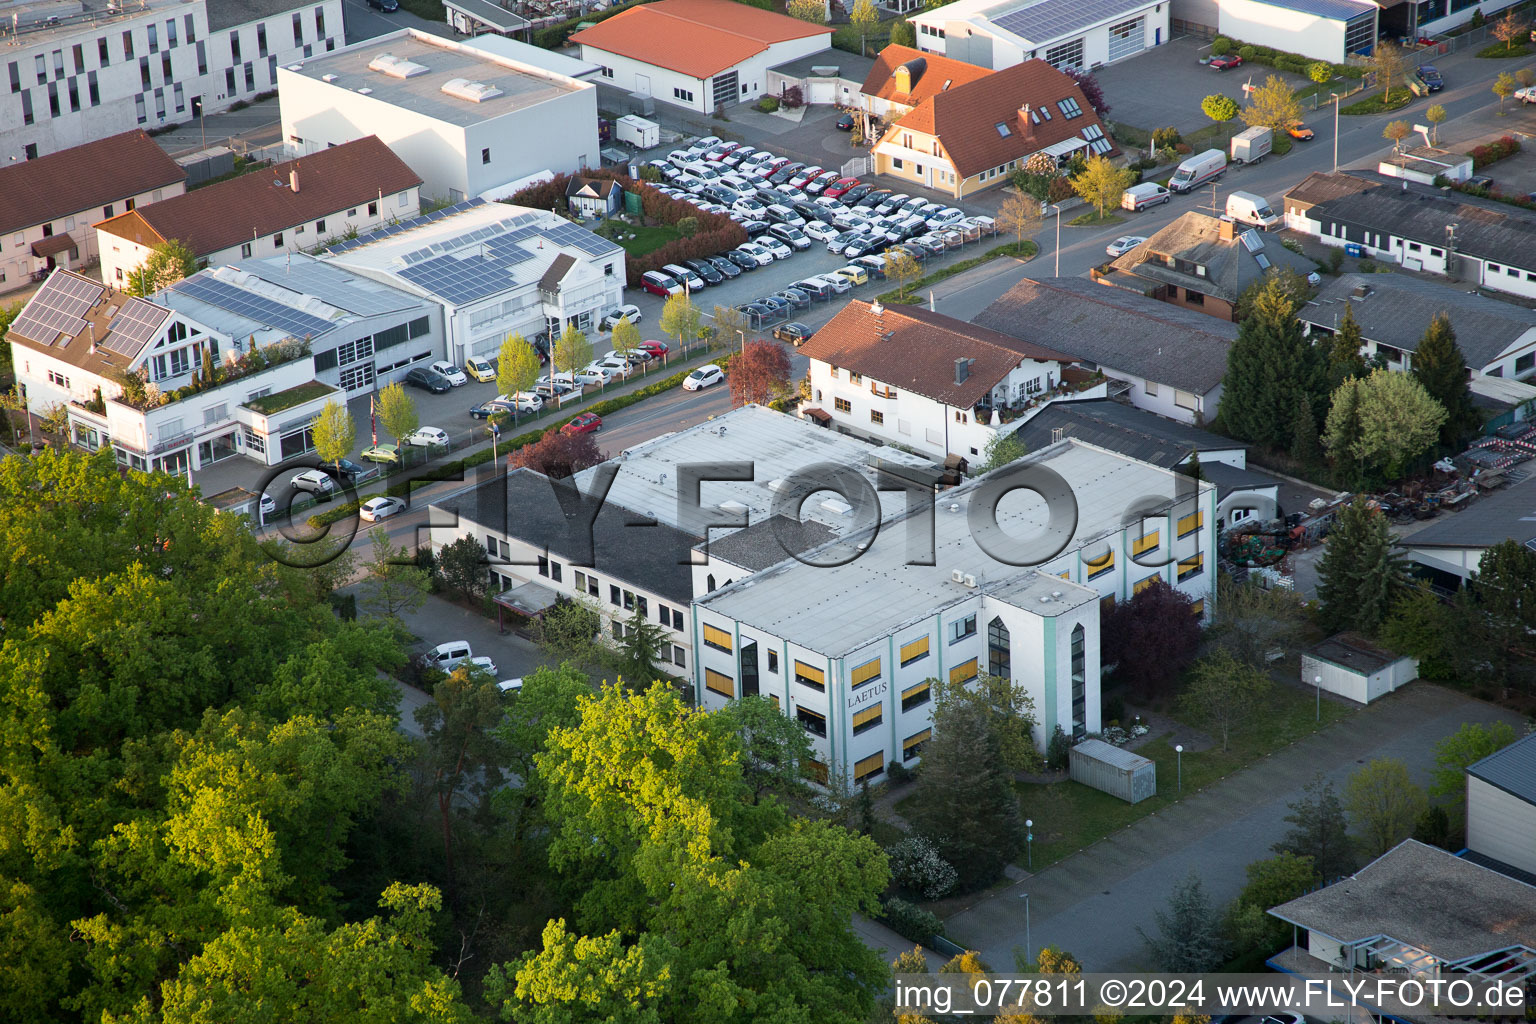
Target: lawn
{"type": "Point", "coordinates": [1093, 219]}
{"type": "Point", "coordinates": [1498, 51]}
{"type": "Point", "coordinates": [1068, 816]}
{"type": "Point", "coordinates": [912, 293]}
{"type": "Point", "coordinates": [647, 239]}
{"type": "Point", "coordinates": [1374, 104]}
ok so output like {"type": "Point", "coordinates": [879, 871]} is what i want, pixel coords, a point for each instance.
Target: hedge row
{"type": "Point", "coordinates": [1493, 152]}
{"type": "Point", "coordinates": [1025, 250]}
{"type": "Point", "coordinates": [1280, 60]}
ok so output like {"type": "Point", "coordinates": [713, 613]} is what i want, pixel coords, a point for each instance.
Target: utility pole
{"type": "Point", "coordinates": [1335, 132]}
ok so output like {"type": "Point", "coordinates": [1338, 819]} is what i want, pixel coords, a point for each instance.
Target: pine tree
{"type": "Point", "coordinates": [1344, 358]}
{"type": "Point", "coordinates": [1268, 366]}
{"type": "Point", "coordinates": [1359, 575]}
{"type": "Point", "coordinates": [1439, 365]}
{"type": "Point", "coordinates": [1189, 933]}
{"type": "Point", "coordinates": [1304, 443]}
{"type": "Point", "coordinates": [1319, 831]}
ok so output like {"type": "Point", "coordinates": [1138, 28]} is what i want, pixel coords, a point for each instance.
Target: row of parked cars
{"type": "Point", "coordinates": [786, 207]}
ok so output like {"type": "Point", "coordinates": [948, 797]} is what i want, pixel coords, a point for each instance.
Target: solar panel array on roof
{"type": "Point", "coordinates": [1052, 19]}
{"type": "Point", "coordinates": [579, 237]}
{"type": "Point", "coordinates": [58, 309]}
{"type": "Point", "coordinates": [257, 307]}
{"type": "Point", "coordinates": [374, 236]}
{"type": "Point", "coordinates": [135, 326]}
{"type": "Point", "coordinates": [335, 286]}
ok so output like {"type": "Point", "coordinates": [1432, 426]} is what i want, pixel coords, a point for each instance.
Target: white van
{"type": "Point", "coordinates": [450, 655]}
{"type": "Point", "coordinates": [1148, 193]}
{"type": "Point", "coordinates": [1196, 170]}
{"type": "Point", "coordinates": [1254, 210]}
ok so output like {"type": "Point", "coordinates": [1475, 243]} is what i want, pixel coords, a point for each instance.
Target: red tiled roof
{"type": "Point", "coordinates": [72, 181]}
{"type": "Point", "coordinates": [938, 73]}
{"type": "Point", "coordinates": [965, 117]}
{"type": "Point", "coordinates": [698, 38]}
{"type": "Point", "coordinates": [230, 212]}
{"type": "Point", "coordinates": [911, 348]}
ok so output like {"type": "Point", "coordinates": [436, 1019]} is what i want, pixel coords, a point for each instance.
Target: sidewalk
{"type": "Point", "coordinates": [1216, 833]}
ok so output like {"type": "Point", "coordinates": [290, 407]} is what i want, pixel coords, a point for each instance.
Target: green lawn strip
{"type": "Point", "coordinates": [457, 468]}
{"type": "Point", "coordinates": [1374, 104]}
{"type": "Point", "coordinates": [1094, 219]}
{"type": "Point", "coordinates": [1020, 250]}
{"type": "Point", "coordinates": [1499, 51]}
{"type": "Point", "coordinates": [647, 238]}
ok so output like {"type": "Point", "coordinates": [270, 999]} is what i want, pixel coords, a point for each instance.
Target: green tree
{"type": "Point", "coordinates": [1319, 831]}
{"type": "Point", "coordinates": [1360, 573]}
{"type": "Point", "coordinates": [1272, 105]}
{"type": "Point", "coordinates": [1034, 179]}
{"type": "Point", "coordinates": [167, 263]}
{"type": "Point", "coordinates": [1504, 605]}
{"type": "Point", "coordinates": [865, 18]}
{"type": "Point", "coordinates": [1008, 708]}
{"type": "Point", "coordinates": [1018, 214]}
{"type": "Point", "coordinates": [1503, 88]}
{"type": "Point", "coordinates": [981, 834]}
{"type": "Point", "coordinates": [395, 586]}
{"type": "Point", "coordinates": [778, 759]}
{"type": "Point", "coordinates": [1003, 447]}
{"type": "Point", "coordinates": [1320, 72]}
{"type": "Point", "coordinates": [1383, 423]}
{"type": "Point", "coordinates": [1256, 620]}
{"type": "Point", "coordinates": [730, 325]}
{"type": "Point", "coordinates": [1384, 803]}
{"type": "Point", "coordinates": [902, 33]}
{"type": "Point", "coordinates": [1507, 29]}
{"type": "Point", "coordinates": [808, 10]}
{"type": "Point", "coordinates": [1396, 132]}
{"type": "Point", "coordinates": [1305, 444]}
{"type": "Point", "coordinates": [572, 350]}
{"type": "Point", "coordinates": [335, 432]}
{"type": "Point", "coordinates": [1267, 367]}
{"type": "Point", "coordinates": [461, 565]}
{"type": "Point", "coordinates": [1435, 115]}
{"type": "Point", "coordinates": [1433, 632]}
{"type": "Point", "coordinates": [626, 337]}
{"type": "Point", "coordinates": [398, 411]}
{"type": "Point", "coordinates": [1344, 358]}
{"type": "Point", "coordinates": [1101, 183]}
{"type": "Point", "coordinates": [680, 318]}
{"type": "Point", "coordinates": [1220, 107]}
{"type": "Point", "coordinates": [1223, 694]}
{"type": "Point", "coordinates": [550, 698]}
{"type": "Point", "coordinates": [1439, 365]}
{"type": "Point", "coordinates": [517, 366]}
{"type": "Point", "coordinates": [1270, 883]}
{"type": "Point", "coordinates": [574, 978]}
{"type": "Point", "coordinates": [1525, 76]}
{"type": "Point", "coordinates": [1389, 62]}
{"type": "Point", "coordinates": [643, 646]}
{"type": "Point", "coordinates": [570, 631]}
{"type": "Point", "coordinates": [1188, 935]}
{"type": "Point", "coordinates": [901, 267]}
{"type": "Point", "coordinates": [1466, 746]}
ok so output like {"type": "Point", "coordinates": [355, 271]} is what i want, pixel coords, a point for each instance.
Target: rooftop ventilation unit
{"type": "Point", "coordinates": [327, 78]}
{"type": "Point", "coordinates": [396, 67]}
{"type": "Point", "coordinates": [957, 575]}
{"type": "Point", "coordinates": [474, 92]}
{"type": "Point", "coordinates": [365, 91]}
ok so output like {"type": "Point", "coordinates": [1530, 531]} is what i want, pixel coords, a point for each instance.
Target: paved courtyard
{"type": "Point", "coordinates": [1092, 903]}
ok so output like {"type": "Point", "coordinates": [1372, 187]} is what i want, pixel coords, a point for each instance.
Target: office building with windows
{"type": "Point", "coordinates": [78, 72]}
{"type": "Point", "coordinates": [496, 270]}
{"type": "Point", "coordinates": [294, 207]}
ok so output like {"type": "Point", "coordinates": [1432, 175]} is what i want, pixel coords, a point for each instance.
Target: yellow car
{"type": "Point", "coordinates": [480, 369]}
{"type": "Point", "coordinates": [853, 274]}
{"type": "Point", "coordinates": [381, 453]}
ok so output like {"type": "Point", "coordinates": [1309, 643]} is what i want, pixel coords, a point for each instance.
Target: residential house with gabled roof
{"type": "Point", "coordinates": [941, 386]}
{"type": "Point", "coordinates": [903, 77]}
{"type": "Point", "coordinates": [48, 204]}
{"type": "Point", "coordinates": [1202, 263]}
{"type": "Point", "coordinates": [292, 207]}
{"type": "Point", "coordinates": [593, 198]}
{"type": "Point", "coordinates": [975, 135]}
{"type": "Point", "coordinates": [1160, 358]}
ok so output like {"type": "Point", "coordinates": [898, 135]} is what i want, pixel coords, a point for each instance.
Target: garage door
{"type": "Point", "coordinates": [823, 91]}
{"type": "Point", "coordinates": [1127, 38]}
{"type": "Point", "coordinates": [725, 89]}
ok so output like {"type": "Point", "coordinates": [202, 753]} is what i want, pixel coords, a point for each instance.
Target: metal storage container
{"type": "Point", "coordinates": [1117, 772]}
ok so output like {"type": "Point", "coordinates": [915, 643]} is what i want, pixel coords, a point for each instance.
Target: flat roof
{"type": "Point", "coordinates": [1512, 769]}
{"type": "Point", "coordinates": [522, 83]}
{"type": "Point", "coordinates": [1333, 10]}
{"type": "Point", "coordinates": [1509, 514]}
{"type": "Point", "coordinates": [838, 609]}
{"type": "Point", "coordinates": [1423, 897]}
{"type": "Point", "coordinates": [75, 19]}
{"type": "Point", "coordinates": [487, 13]}
{"type": "Point", "coordinates": [1353, 652]}
{"type": "Point", "coordinates": [224, 14]}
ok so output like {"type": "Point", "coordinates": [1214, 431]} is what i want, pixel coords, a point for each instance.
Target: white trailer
{"type": "Point", "coordinates": [1253, 145]}
{"type": "Point", "coordinates": [637, 131]}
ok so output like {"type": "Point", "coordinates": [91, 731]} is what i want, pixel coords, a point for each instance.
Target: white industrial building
{"type": "Point", "coordinates": [1353, 667]}
{"type": "Point", "coordinates": [1321, 29]}
{"type": "Point", "coordinates": [1450, 550]}
{"type": "Point", "coordinates": [496, 270]}
{"type": "Point", "coordinates": [469, 116]}
{"type": "Point", "coordinates": [1067, 34]}
{"type": "Point", "coordinates": [698, 54]}
{"type": "Point", "coordinates": [80, 70]}
{"type": "Point", "coordinates": [1501, 809]}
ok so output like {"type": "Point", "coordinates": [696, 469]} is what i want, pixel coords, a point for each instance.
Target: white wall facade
{"type": "Point", "coordinates": [1500, 825]}
{"type": "Point", "coordinates": [17, 262]}
{"type": "Point", "coordinates": [1361, 687]}
{"type": "Point", "coordinates": [97, 98]}
{"type": "Point", "coordinates": [956, 31]}
{"type": "Point", "coordinates": [697, 94]}
{"type": "Point", "coordinates": [1170, 402]}
{"type": "Point", "coordinates": [1284, 29]}
{"type": "Point", "coordinates": [590, 289]}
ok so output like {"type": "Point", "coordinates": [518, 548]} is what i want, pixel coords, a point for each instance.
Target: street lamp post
{"type": "Point", "coordinates": [743, 339]}
{"type": "Point", "coordinates": [1029, 945]}
{"type": "Point", "coordinates": [1029, 843]}
{"type": "Point", "coordinates": [1335, 132]}
{"type": "Point", "coordinates": [1317, 681]}
{"type": "Point", "coordinates": [1180, 751]}
{"type": "Point", "coordinates": [1058, 239]}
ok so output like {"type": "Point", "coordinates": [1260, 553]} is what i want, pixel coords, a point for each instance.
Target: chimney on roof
{"type": "Point", "coordinates": [293, 179]}
{"type": "Point", "coordinates": [1361, 291]}
{"type": "Point", "coordinates": [1026, 123]}
{"type": "Point", "coordinates": [876, 308]}
{"type": "Point", "coordinates": [1228, 231]}
{"type": "Point", "coordinates": [92, 328]}
{"type": "Point", "coordinates": [962, 369]}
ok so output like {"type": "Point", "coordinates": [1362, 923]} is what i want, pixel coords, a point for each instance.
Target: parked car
{"type": "Point", "coordinates": [726, 268]}
{"type": "Point", "coordinates": [757, 311]}
{"type": "Point", "coordinates": [703, 377]}
{"type": "Point", "coordinates": [511, 685]}
{"type": "Point", "coordinates": [790, 236]}
{"type": "Point", "coordinates": [452, 374]}
{"type": "Point", "coordinates": [449, 656]}
{"type": "Point", "coordinates": [483, 370]}
{"type": "Point", "coordinates": [1429, 77]}
{"type": "Point", "coordinates": [657, 283]}
{"type": "Point", "coordinates": [705, 270]}
{"type": "Point", "coordinates": [873, 263]}
{"type": "Point", "coordinates": [426, 437]}
{"type": "Point", "coordinates": [840, 187]}
{"type": "Point", "coordinates": [816, 289]}
{"type": "Point", "coordinates": [615, 366]}
{"type": "Point", "coordinates": [656, 349]}
{"type": "Point", "coordinates": [753, 228]}
{"type": "Point", "coordinates": [839, 285]}
{"type": "Point", "coordinates": [819, 232]}
{"type": "Point", "coordinates": [857, 193]}
{"type": "Point", "coordinates": [387, 6]}
{"type": "Point", "coordinates": [793, 332]}
{"type": "Point", "coordinates": [845, 121]}
{"type": "Point", "coordinates": [428, 380]}
{"type": "Point", "coordinates": [743, 260]}
{"type": "Point", "coordinates": [495, 407]}
{"type": "Point", "coordinates": [856, 275]}
{"type": "Point", "coordinates": [1526, 95]}
{"type": "Point", "coordinates": [313, 481]}
{"type": "Point", "coordinates": [1479, 181]}
{"type": "Point", "coordinates": [613, 316]}
{"type": "Point", "coordinates": [1123, 245]}
{"type": "Point", "coordinates": [1230, 60]}
{"type": "Point", "coordinates": [779, 250]}
{"type": "Point", "coordinates": [1297, 130]}
{"type": "Point", "coordinates": [374, 509]}
{"type": "Point", "coordinates": [759, 253]}
{"type": "Point", "coordinates": [785, 174]}
{"type": "Point", "coordinates": [586, 423]}
{"type": "Point", "coordinates": [381, 453]}
{"type": "Point", "coordinates": [797, 299]}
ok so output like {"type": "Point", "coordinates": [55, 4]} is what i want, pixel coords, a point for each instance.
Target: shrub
{"type": "Point", "coordinates": [1221, 45]}
{"type": "Point", "coordinates": [1114, 710]}
{"type": "Point", "coordinates": [768, 104]}
{"type": "Point", "coordinates": [792, 98]}
{"type": "Point", "coordinates": [1247, 52]}
{"type": "Point", "coordinates": [910, 921]}
{"type": "Point", "coordinates": [897, 772]}
{"type": "Point", "coordinates": [1493, 152]}
{"type": "Point", "coordinates": [1165, 138]}
{"type": "Point", "coordinates": [1060, 189]}
{"type": "Point", "coordinates": [1183, 149]}
{"type": "Point", "coordinates": [1058, 751]}
{"type": "Point", "coordinates": [917, 868]}
{"type": "Point", "coordinates": [1335, 260]}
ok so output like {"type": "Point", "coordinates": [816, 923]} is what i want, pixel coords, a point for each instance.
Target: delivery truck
{"type": "Point", "coordinates": [1196, 170]}
{"type": "Point", "coordinates": [1253, 145]}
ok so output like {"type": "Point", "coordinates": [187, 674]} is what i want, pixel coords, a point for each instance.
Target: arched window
{"type": "Point", "coordinates": [997, 648]}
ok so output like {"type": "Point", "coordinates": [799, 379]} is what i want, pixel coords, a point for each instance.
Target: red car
{"type": "Point", "coordinates": [657, 349]}
{"type": "Point", "coordinates": [586, 423]}
{"type": "Point", "coordinates": [721, 151]}
{"type": "Point", "coordinates": [1231, 60]}
{"type": "Point", "coordinates": [840, 186]}
{"type": "Point", "coordinates": [771, 167]}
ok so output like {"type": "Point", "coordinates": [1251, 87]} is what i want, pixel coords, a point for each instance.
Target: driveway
{"type": "Point", "coordinates": [1165, 85]}
{"type": "Point", "coordinates": [1215, 833]}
